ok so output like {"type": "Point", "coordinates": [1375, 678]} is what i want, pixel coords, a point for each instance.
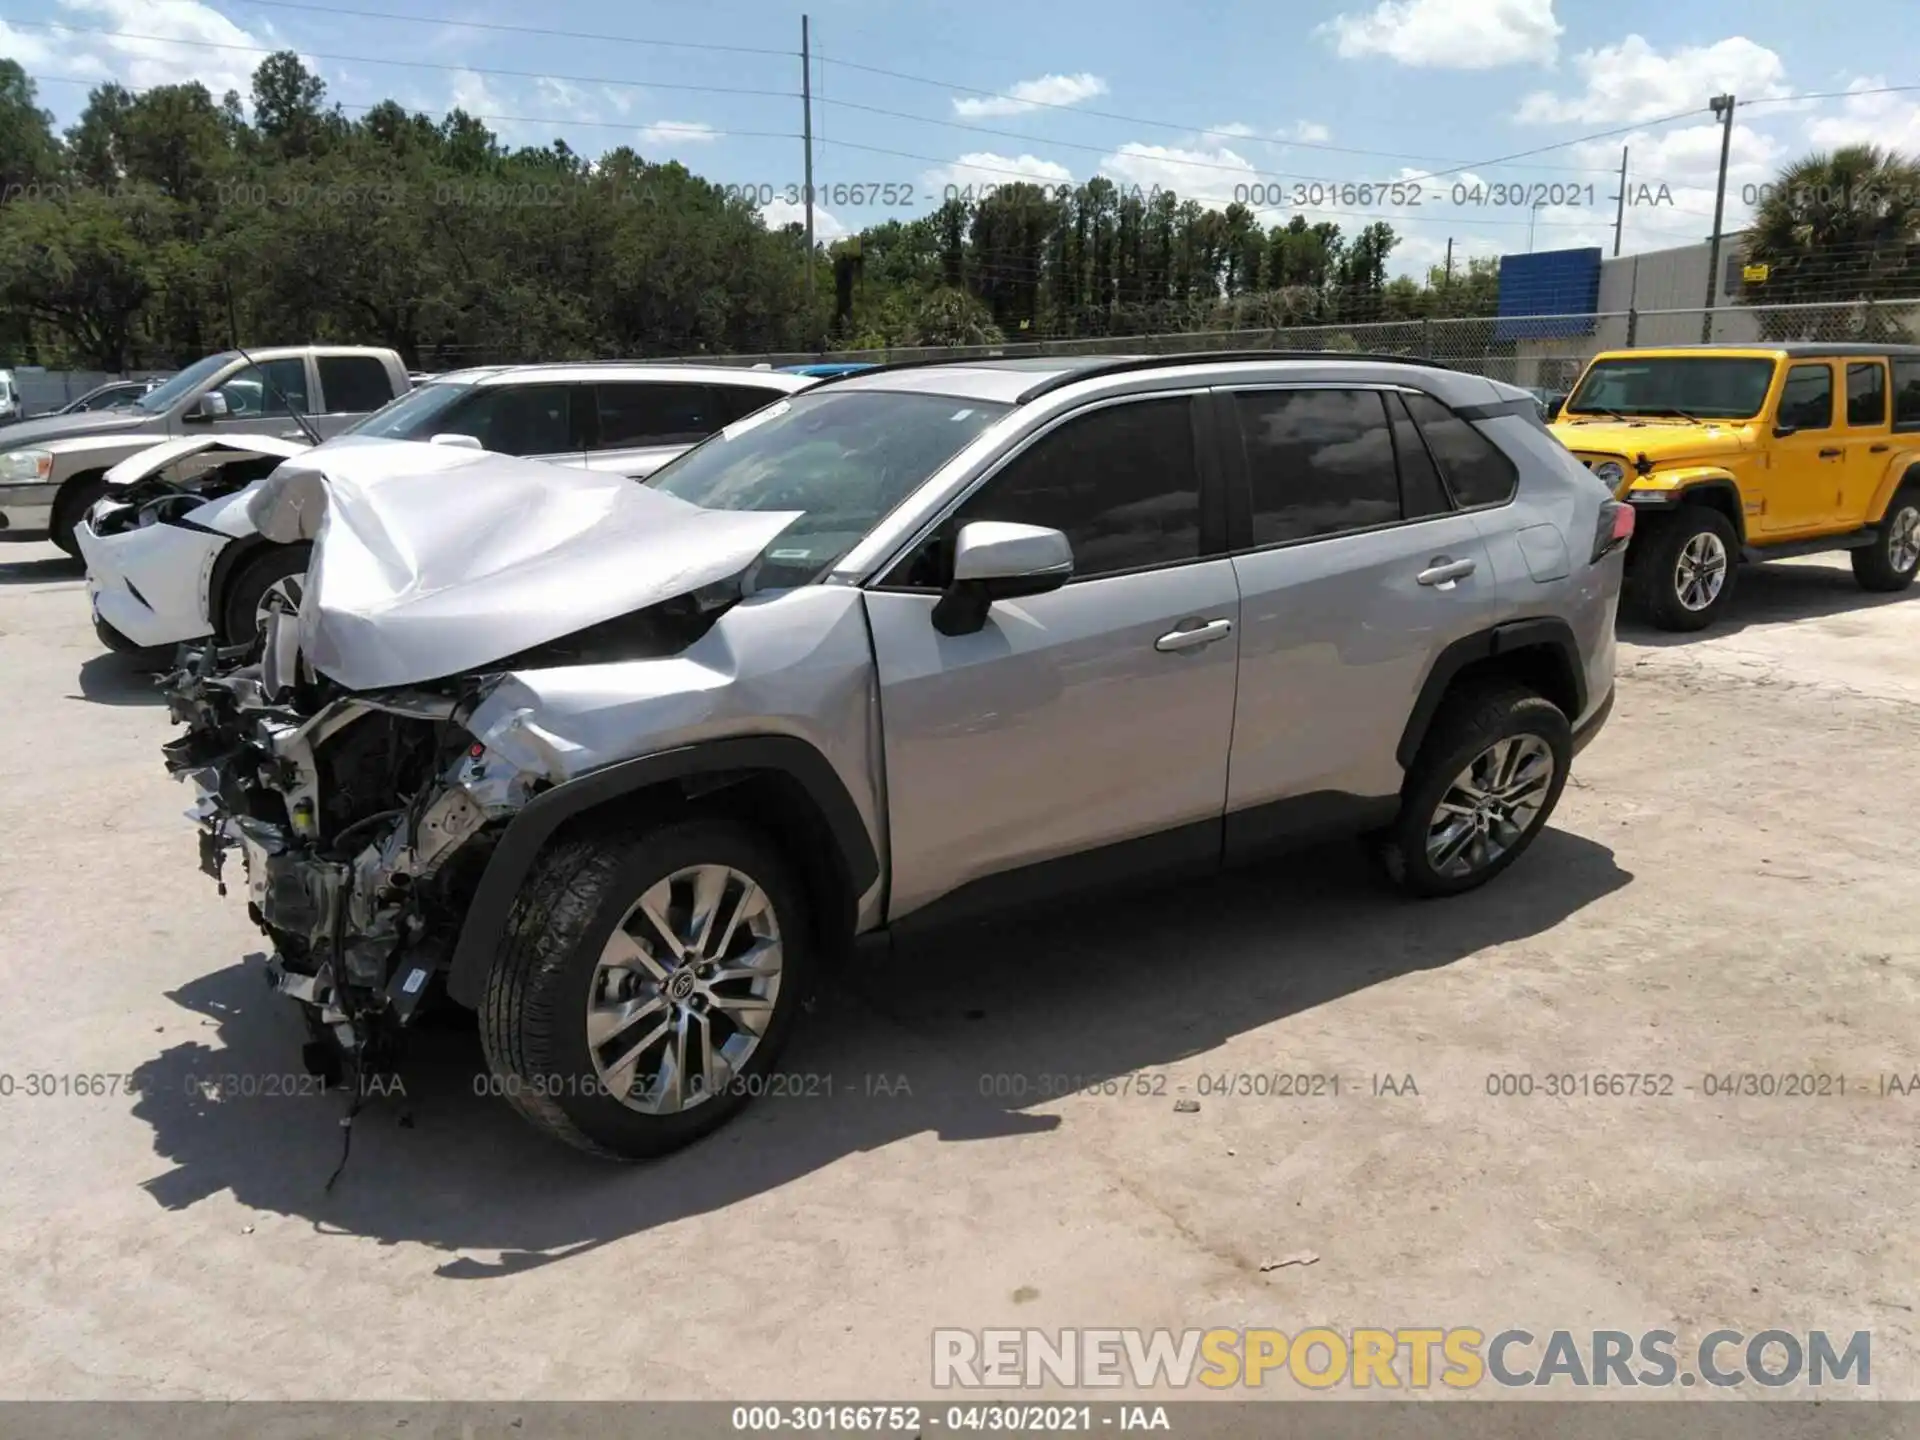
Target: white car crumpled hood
{"type": "Point", "coordinates": [421, 571]}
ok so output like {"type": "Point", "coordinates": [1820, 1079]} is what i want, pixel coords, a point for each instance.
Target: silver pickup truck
{"type": "Point", "coordinates": [53, 469]}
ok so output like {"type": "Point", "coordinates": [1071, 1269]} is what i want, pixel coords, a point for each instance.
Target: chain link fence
{"type": "Point", "coordinates": [1547, 351]}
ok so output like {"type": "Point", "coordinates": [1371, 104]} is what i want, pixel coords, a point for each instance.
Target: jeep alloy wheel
{"type": "Point", "coordinates": [1700, 571]}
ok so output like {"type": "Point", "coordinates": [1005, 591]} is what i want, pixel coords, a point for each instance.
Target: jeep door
{"type": "Point", "coordinates": [1807, 469]}
{"type": "Point", "coordinates": [1089, 724]}
{"type": "Point", "coordinates": [1356, 568]}
{"type": "Point", "coordinates": [1868, 442]}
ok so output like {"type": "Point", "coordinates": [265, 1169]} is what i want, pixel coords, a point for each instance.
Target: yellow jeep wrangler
{"type": "Point", "coordinates": [1752, 452]}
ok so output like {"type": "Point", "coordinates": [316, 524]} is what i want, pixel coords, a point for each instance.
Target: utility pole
{"type": "Point", "coordinates": [1620, 209]}
{"type": "Point", "coordinates": [1533, 217]}
{"type": "Point", "coordinates": [1723, 110]}
{"type": "Point", "coordinates": [806, 127]}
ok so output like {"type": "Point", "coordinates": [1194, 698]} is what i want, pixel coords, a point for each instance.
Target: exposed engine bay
{"type": "Point", "coordinates": [363, 821]}
{"type": "Point", "coordinates": [167, 483]}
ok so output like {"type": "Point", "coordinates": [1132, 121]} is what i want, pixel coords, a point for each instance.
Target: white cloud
{"type": "Point", "coordinates": [1890, 121]}
{"type": "Point", "coordinates": [141, 63]}
{"type": "Point", "coordinates": [1216, 176]}
{"type": "Point", "coordinates": [1237, 128]}
{"type": "Point", "coordinates": [679, 132]}
{"type": "Point", "coordinates": [1449, 34]}
{"type": "Point", "coordinates": [1307, 130]}
{"type": "Point", "coordinates": [982, 170]}
{"type": "Point", "coordinates": [1031, 95]}
{"type": "Point", "coordinates": [1633, 81]}
{"type": "Point", "coordinates": [826, 225]}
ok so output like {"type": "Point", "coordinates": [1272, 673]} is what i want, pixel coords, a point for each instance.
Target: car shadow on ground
{"type": "Point", "coordinates": [1777, 594]}
{"type": "Point", "coordinates": [114, 678]}
{"type": "Point", "coordinates": [41, 568]}
{"type": "Point", "coordinates": [1096, 990]}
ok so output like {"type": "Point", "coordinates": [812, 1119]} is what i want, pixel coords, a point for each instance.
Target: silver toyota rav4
{"type": "Point", "coordinates": [618, 765]}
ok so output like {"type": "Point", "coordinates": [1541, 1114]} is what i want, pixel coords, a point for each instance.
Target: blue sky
{"type": "Point", "coordinates": [1290, 105]}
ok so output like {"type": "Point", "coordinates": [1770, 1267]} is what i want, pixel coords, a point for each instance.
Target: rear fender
{"type": "Point", "coordinates": [1902, 470]}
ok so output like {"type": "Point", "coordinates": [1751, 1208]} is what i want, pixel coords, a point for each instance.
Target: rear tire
{"type": "Point", "coordinates": [278, 568]}
{"type": "Point", "coordinates": [558, 975]}
{"type": "Point", "coordinates": [1484, 785]}
{"type": "Point", "coordinates": [1683, 578]}
{"type": "Point", "coordinates": [70, 507]}
{"type": "Point", "coordinates": [1890, 563]}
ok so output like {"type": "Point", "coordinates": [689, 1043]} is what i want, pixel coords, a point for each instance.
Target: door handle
{"type": "Point", "coordinates": [1194, 638]}
{"type": "Point", "coordinates": [1832, 452]}
{"type": "Point", "coordinates": [1878, 449]}
{"type": "Point", "coordinates": [1442, 572]}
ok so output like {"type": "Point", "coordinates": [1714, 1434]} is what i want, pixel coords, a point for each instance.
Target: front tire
{"type": "Point", "coordinates": [646, 985]}
{"type": "Point", "coordinates": [70, 507]}
{"type": "Point", "coordinates": [1889, 564]}
{"type": "Point", "coordinates": [277, 575]}
{"type": "Point", "coordinates": [1483, 787]}
{"type": "Point", "coordinates": [1683, 579]}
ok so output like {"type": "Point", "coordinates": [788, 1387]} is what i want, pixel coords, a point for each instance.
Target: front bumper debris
{"type": "Point", "coordinates": [359, 886]}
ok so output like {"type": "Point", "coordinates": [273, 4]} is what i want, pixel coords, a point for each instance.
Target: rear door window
{"type": "Point", "coordinates": [637, 414]}
{"type": "Point", "coordinates": [354, 384]}
{"type": "Point", "coordinates": [1319, 462]}
{"type": "Point", "coordinates": [1866, 393]}
{"type": "Point", "coordinates": [1906, 394]}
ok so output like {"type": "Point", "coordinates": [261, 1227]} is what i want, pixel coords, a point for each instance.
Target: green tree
{"type": "Point", "coordinates": [1842, 226]}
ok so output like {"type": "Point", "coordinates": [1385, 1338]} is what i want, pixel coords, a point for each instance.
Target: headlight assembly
{"type": "Point", "coordinates": [1610, 472]}
{"type": "Point", "coordinates": [26, 467]}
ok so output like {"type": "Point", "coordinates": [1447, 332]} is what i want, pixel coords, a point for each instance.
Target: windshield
{"type": "Point", "coordinates": [415, 415]}
{"type": "Point", "coordinates": [157, 401]}
{"type": "Point", "coordinates": [843, 458]}
{"type": "Point", "coordinates": [1703, 387]}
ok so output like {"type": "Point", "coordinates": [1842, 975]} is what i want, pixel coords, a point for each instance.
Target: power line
{"type": "Point", "coordinates": [1027, 103]}
{"type": "Point", "coordinates": [409, 64]}
{"type": "Point", "coordinates": [517, 29]}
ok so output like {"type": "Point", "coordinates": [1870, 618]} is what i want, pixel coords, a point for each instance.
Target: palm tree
{"type": "Point", "coordinates": [1843, 228]}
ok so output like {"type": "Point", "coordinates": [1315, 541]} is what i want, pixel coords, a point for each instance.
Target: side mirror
{"type": "Point", "coordinates": [1554, 407]}
{"type": "Point", "coordinates": [459, 442]}
{"type": "Point", "coordinates": [209, 407]}
{"type": "Point", "coordinates": [997, 560]}
{"type": "Point", "coordinates": [1780, 432]}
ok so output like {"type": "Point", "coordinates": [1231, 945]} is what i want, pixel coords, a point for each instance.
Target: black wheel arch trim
{"type": "Point", "coordinates": [1540, 633]}
{"type": "Point", "coordinates": [514, 855]}
{"type": "Point", "coordinates": [1736, 509]}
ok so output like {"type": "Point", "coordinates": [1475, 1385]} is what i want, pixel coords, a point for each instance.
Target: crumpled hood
{"type": "Point", "coordinates": [433, 560]}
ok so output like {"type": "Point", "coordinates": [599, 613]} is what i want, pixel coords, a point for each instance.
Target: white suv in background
{"type": "Point", "coordinates": [172, 554]}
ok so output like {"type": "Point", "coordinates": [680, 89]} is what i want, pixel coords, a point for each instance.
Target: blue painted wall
{"type": "Point", "coordinates": [1562, 286]}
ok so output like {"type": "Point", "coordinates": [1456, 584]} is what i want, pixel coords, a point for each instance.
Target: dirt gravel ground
{"type": "Point", "coordinates": [1727, 888]}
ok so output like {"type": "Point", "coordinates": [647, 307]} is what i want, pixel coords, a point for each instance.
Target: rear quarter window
{"type": "Point", "coordinates": [1476, 470]}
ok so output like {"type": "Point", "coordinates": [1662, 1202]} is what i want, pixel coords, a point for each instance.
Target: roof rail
{"type": "Point", "coordinates": [1214, 357]}
{"type": "Point", "coordinates": [888, 366]}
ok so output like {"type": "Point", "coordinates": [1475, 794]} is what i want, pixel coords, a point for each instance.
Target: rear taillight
{"type": "Point", "coordinates": [1614, 530]}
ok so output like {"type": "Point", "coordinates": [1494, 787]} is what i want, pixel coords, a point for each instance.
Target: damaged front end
{"type": "Point", "coordinates": [363, 820]}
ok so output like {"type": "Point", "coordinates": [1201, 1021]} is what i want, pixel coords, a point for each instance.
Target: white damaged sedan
{"type": "Point", "coordinates": [171, 554]}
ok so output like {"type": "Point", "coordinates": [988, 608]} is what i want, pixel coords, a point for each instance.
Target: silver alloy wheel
{"type": "Point", "coordinates": [1903, 538]}
{"type": "Point", "coordinates": [1489, 806]}
{"type": "Point", "coordinates": [284, 594]}
{"type": "Point", "coordinates": [1701, 571]}
{"type": "Point", "coordinates": [684, 989]}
